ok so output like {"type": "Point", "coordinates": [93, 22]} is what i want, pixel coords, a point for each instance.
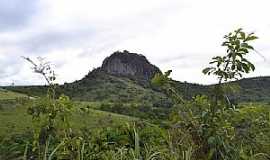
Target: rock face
{"type": "Point", "coordinates": [129, 64]}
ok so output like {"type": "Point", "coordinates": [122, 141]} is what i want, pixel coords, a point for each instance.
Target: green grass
{"type": "Point", "coordinates": [14, 117]}
{"type": "Point", "coordinates": [4, 94]}
{"type": "Point", "coordinates": [254, 104]}
{"type": "Point", "coordinates": [16, 120]}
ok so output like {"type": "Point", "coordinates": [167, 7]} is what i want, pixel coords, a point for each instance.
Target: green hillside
{"type": "Point", "coordinates": [5, 94]}
{"type": "Point", "coordinates": [254, 89]}
{"type": "Point", "coordinates": [100, 86]}
{"type": "Point", "coordinates": [17, 120]}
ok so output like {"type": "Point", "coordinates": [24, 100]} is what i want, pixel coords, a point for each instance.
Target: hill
{"type": "Point", "coordinates": [254, 89]}
{"type": "Point", "coordinates": [124, 77]}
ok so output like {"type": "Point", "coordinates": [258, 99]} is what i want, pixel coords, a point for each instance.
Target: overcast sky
{"type": "Point", "coordinates": [76, 35]}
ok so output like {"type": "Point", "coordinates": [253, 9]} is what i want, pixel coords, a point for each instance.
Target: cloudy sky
{"type": "Point", "coordinates": [76, 35]}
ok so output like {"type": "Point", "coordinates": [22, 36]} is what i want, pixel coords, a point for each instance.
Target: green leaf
{"type": "Point", "coordinates": [245, 67]}
{"type": "Point", "coordinates": [244, 50]}
{"type": "Point", "coordinates": [237, 42]}
{"type": "Point", "coordinates": [238, 30]}
{"type": "Point", "coordinates": [247, 46]}
{"type": "Point", "coordinates": [251, 38]}
{"type": "Point", "coordinates": [212, 62]}
{"type": "Point", "coordinates": [239, 67]}
{"type": "Point", "coordinates": [252, 66]}
{"type": "Point", "coordinates": [243, 35]}
{"type": "Point", "coordinates": [233, 67]}
{"type": "Point", "coordinates": [207, 70]}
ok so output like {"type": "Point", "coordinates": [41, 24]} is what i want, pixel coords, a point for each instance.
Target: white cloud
{"type": "Point", "coordinates": [181, 35]}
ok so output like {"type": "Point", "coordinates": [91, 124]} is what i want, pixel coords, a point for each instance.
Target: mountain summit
{"type": "Point", "coordinates": [129, 64]}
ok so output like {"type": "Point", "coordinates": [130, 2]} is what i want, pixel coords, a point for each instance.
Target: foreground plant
{"type": "Point", "coordinates": [51, 118]}
{"type": "Point", "coordinates": [229, 67]}
{"type": "Point", "coordinates": [234, 64]}
{"type": "Point", "coordinates": [208, 120]}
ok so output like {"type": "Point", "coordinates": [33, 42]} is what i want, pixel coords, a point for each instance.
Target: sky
{"type": "Point", "coordinates": [76, 35]}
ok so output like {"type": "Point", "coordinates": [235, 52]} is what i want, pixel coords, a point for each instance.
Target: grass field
{"type": "Point", "coordinates": [4, 94]}
{"type": "Point", "coordinates": [14, 118]}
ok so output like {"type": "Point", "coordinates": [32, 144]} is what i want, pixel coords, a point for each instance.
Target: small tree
{"type": "Point", "coordinates": [234, 64]}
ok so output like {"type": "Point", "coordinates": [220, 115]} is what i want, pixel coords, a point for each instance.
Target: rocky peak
{"type": "Point", "coordinates": [129, 64]}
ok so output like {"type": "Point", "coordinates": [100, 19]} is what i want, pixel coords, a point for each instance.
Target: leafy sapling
{"type": "Point", "coordinates": [234, 64]}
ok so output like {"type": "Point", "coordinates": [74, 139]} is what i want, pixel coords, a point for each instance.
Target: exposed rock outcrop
{"type": "Point", "coordinates": [129, 64]}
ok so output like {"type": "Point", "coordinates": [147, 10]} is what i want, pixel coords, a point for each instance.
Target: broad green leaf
{"type": "Point", "coordinates": [250, 38]}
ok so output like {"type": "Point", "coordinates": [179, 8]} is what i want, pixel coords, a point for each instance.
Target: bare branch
{"type": "Point", "coordinates": [43, 68]}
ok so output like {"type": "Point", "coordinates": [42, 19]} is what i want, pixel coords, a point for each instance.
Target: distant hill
{"type": "Point", "coordinates": [124, 77]}
{"type": "Point", "coordinates": [254, 89]}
